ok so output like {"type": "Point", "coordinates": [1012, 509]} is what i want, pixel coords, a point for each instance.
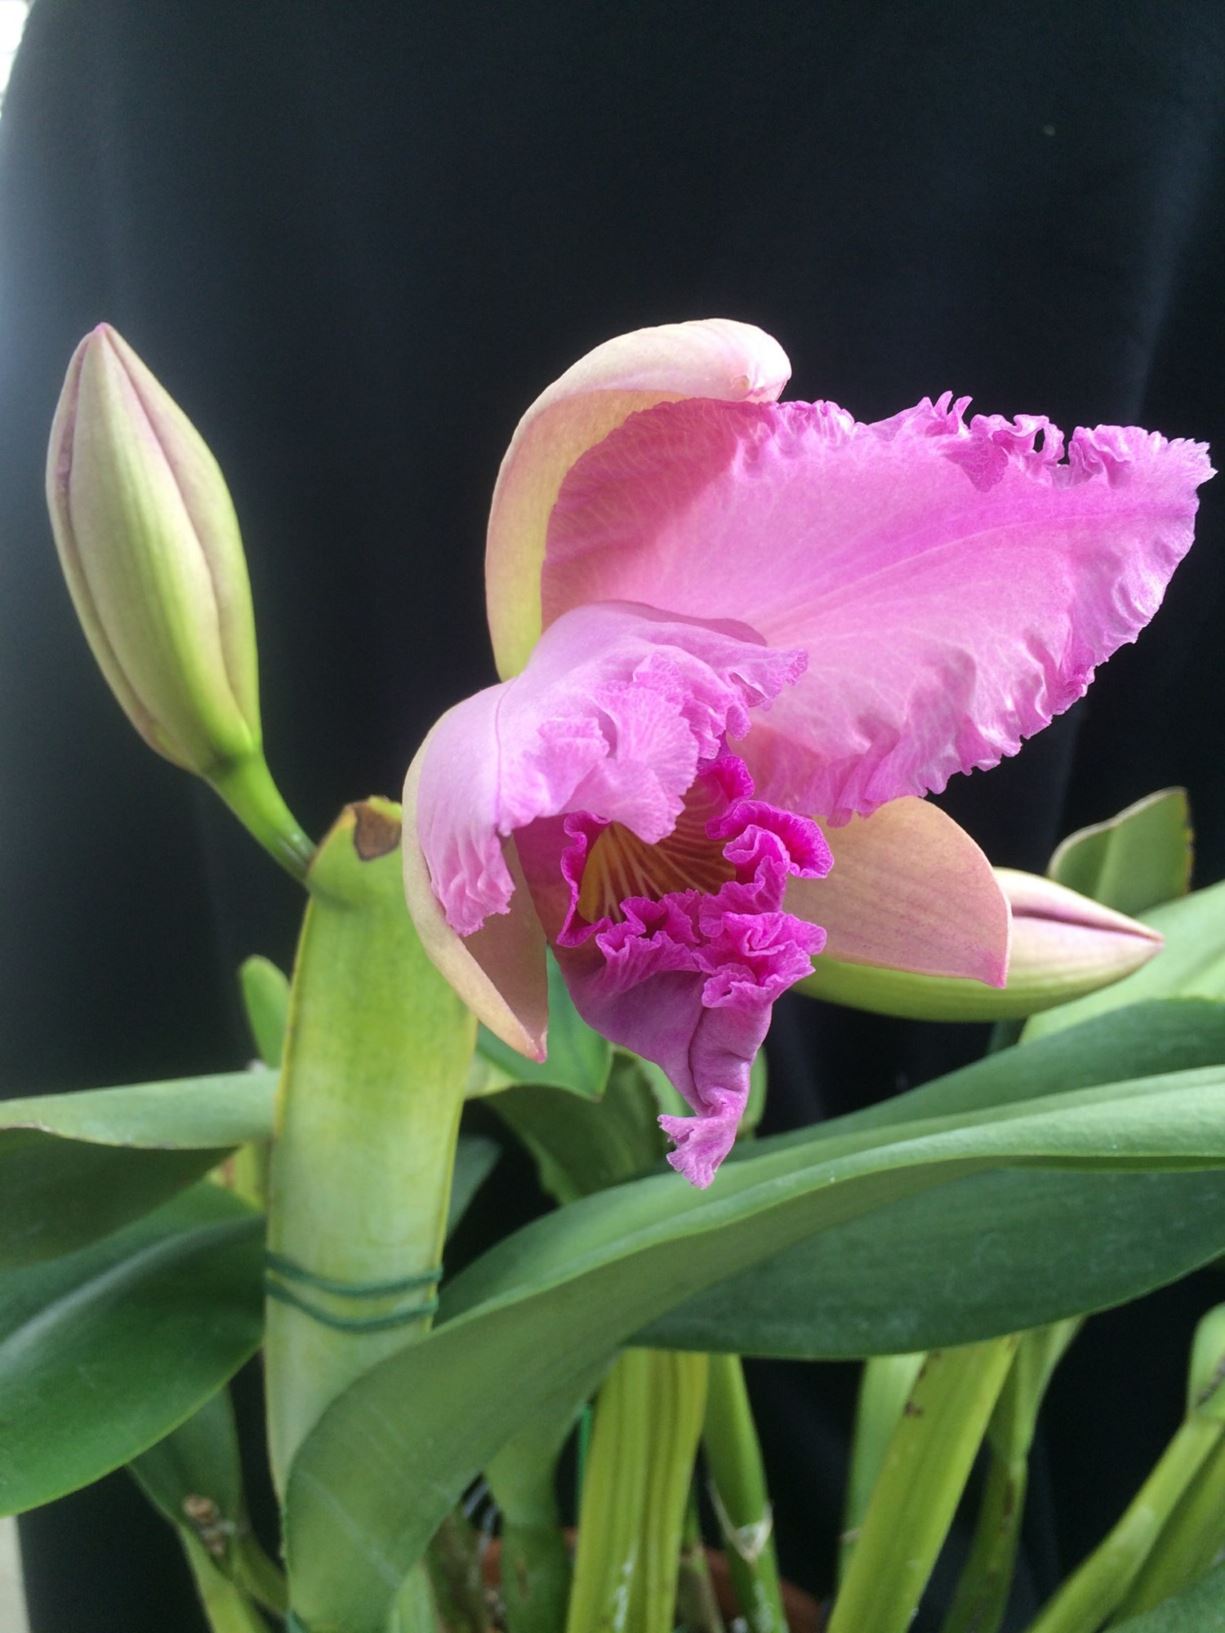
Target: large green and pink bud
{"type": "Point", "coordinates": [153, 557]}
{"type": "Point", "coordinates": [1062, 946]}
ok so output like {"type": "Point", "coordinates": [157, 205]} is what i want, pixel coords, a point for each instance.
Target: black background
{"type": "Point", "coordinates": [354, 240]}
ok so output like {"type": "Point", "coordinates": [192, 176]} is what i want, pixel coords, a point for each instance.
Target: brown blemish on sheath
{"type": "Point", "coordinates": [375, 834]}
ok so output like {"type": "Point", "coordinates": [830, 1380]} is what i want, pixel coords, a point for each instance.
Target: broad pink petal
{"type": "Point", "coordinates": [909, 890]}
{"type": "Point", "coordinates": [712, 358]}
{"type": "Point", "coordinates": [611, 717]}
{"type": "Point", "coordinates": [953, 584]}
{"type": "Point", "coordinates": [500, 971]}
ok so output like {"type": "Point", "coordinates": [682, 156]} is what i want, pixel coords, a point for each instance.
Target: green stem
{"type": "Point", "coordinates": [1102, 1582]}
{"type": "Point", "coordinates": [884, 1389]}
{"type": "Point", "coordinates": [986, 1579]}
{"type": "Point", "coordinates": [372, 1084]}
{"type": "Point", "coordinates": [259, 1576]}
{"type": "Point", "coordinates": [247, 788]}
{"type": "Point", "coordinates": [1190, 1542]}
{"type": "Point", "coordinates": [226, 1607]}
{"type": "Point", "coordinates": [741, 1499]}
{"type": "Point", "coordinates": [921, 1481]}
{"type": "Point", "coordinates": [647, 1420]}
{"type": "Point", "coordinates": [697, 1607]}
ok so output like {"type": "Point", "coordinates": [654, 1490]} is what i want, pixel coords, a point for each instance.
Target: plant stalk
{"type": "Point", "coordinates": [986, 1579]}
{"type": "Point", "coordinates": [1189, 1545]}
{"type": "Point", "coordinates": [1097, 1589]}
{"type": "Point", "coordinates": [924, 1473]}
{"type": "Point", "coordinates": [647, 1421]}
{"type": "Point", "coordinates": [697, 1607]}
{"type": "Point", "coordinates": [226, 1607]}
{"type": "Point", "coordinates": [740, 1497]}
{"type": "Point", "coordinates": [247, 788]}
{"type": "Point", "coordinates": [372, 1083]}
{"type": "Point", "coordinates": [884, 1389]}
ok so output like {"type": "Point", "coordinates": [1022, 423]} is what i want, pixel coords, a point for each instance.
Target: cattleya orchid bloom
{"type": "Point", "coordinates": [740, 638]}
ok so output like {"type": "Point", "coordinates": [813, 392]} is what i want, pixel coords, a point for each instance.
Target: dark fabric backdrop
{"type": "Point", "coordinates": [354, 239]}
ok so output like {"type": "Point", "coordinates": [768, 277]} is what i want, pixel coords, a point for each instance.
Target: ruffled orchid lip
{"type": "Point", "coordinates": [687, 975]}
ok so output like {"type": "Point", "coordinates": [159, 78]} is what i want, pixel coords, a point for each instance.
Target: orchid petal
{"type": "Point", "coordinates": [953, 584]}
{"type": "Point", "coordinates": [611, 717]}
{"type": "Point", "coordinates": [712, 358]}
{"type": "Point", "coordinates": [500, 970]}
{"type": "Point", "coordinates": [909, 890]}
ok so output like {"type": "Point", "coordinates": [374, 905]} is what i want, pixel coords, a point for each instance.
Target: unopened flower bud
{"type": "Point", "coordinates": [1063, 946]}
{"type": "Point", "coordinates": [149, 544]}
{"type": "Point", "coordinates": [150, 547]}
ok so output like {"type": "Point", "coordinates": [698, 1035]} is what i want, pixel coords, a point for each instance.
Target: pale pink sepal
{"type": "Point", "coordinates": [952, 582]}
{"type": "Point", "coordinates": [710, 358]}
{"type": "Point", "coordinates": [909, 890]}
{"type": "Point", "coordinates": [499, 971]}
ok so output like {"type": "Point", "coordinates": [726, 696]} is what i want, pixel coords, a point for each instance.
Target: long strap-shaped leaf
{"type": "Point", "coordinates": [386, 1460]}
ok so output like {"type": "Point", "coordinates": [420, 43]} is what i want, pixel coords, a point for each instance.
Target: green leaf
{"type": "Point", "coordinates": [194, 1478]}
{"type": "Point", "coordinates": [579, 1145]}
{"type": "Point", "coordinates": [105, 1351]}
{"type": "Point", "coordinates": [265, 997]}
{"type": "Point", "coordinates": [197, 1464]}
{"type": "Point", "coordinates": [992, 1252]}
{"type": "Point", "coordinates": [1136, 860]}
{"type": "Point", "coordinates": [989, 1254]}
{"type": "Point", "coordinates": [1199, 1609]}
{"type": "Point", "coordinates": [579, 1058]}
{"type": "Point", "coordinates": [475, 1157]}
{"type": "Point", "coordinates": [187, 1113]}
{"type": "Point", "coordinates": [1144, 1040]}
{"type": "Point", "coordinates": [387, 1458]}
{"type": "Point", "coordinates": [75, 1166]}
{"type": "Point", "coordinates": [1190, 965]}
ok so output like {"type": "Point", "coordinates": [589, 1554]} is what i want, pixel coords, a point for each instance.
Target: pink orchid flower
{"type": "Point", "coordinates": [743, 637]}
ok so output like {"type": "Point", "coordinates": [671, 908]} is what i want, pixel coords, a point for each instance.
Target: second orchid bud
{"type": "Point", "coordinates": [150, 547]}
{"type": "Point", "coordinates": [1063, 946]}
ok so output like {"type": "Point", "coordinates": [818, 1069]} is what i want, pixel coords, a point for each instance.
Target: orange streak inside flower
{"type": "Point", "coordinates": [620, 864]}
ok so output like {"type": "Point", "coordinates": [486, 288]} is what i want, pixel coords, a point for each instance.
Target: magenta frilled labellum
{"type": "Point", "coordinates": [754, 632]}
